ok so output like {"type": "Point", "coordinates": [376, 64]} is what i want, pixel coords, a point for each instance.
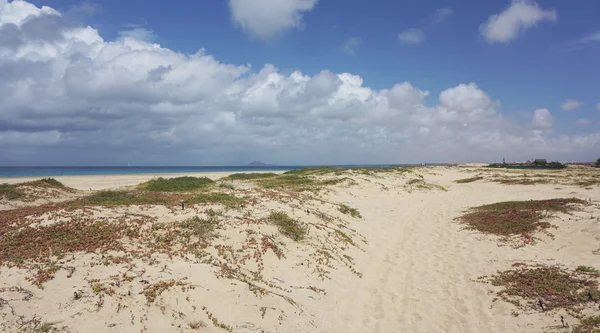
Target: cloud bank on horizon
{"type": "Point", "coordinates": [68, 96]}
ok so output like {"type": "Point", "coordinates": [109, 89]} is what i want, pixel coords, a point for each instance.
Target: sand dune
{"type": "Point", "coordinates": [406, 266]}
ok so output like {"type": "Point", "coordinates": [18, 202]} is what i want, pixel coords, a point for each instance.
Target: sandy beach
{"type": "Point", "coordinates": [373, 251]}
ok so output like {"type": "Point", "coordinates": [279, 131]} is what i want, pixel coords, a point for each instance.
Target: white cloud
{"type": "Point", "coordinates": [465, 98]}
{"type": "Point", "coordinates": [571, 105]}
{"type": "Point", "coordinates": [351, 44]}
{"type": "Point", "coordinates": [542, 119]}
{"type": "Point", "coordinates": [594, 37]}
{"type": "Point", "coordinates": [411, 36]}
{"type": "Point", "coordinates": [441, 15]}
{"type": "Point", "coordinates": [520, 16]}
{"type": "Point", "coordinates": [66, 92]}
{"type": "Point", "coordinates": [139, 34]}
{"type": "Point", "coordinates": [266, 19]}
{"type": "Point", "coordinates": [583, 122]}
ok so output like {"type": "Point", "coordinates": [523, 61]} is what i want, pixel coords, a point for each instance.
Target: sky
{"type": "Point", "coordinates": [297, 82]}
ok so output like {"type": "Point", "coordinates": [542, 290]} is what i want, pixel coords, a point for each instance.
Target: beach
{"type": "Point", "coordinates": [319, 250]}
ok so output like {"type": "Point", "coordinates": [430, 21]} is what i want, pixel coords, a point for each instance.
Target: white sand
{"type": "Point", "coordinates": [418, 267]}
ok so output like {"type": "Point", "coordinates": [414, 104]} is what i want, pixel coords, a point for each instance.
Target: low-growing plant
{"type": "Point", "coordinates": [588, 325]}
{"type": "Point", "coordinates": [545, 287]}
{"type": "Point", "coordinates": [587, 269]}
{"type": "Point", "coordinates": [468, 180]}
{"type": "Point", "coordinates": [117, 198]}
{"type": "Point", "coordinates": [344, 209]}
{"type": "Point", "coordinates": [10, 192]}
{"type": "Point", "coordinates": [179, 184]}
{"type": "Point", "coordinates": [52, 181]}
{"type": "Point", "coordinates": [311, 171]}
{"type": "Point", "coordinates": [227, 186]}
{"type": "Point", "coordinates": [249, 176]}
{"type": "Point", "coordinates": [299, 183]}
{"type": "Point", "coordinates": [516, 218]}
{"type": "Point", "coordinates": [224, 199]}
{"type": "Point", "coordinates": [419, 183]}
{"type": "Point", "coordinates": [74, 236]}
{"type": "Point", "coordinates": [153, 291]}
{"type": "Point", "coordinates": [288, 226]}
{"type": "Point", "coordinates": [201, 228]}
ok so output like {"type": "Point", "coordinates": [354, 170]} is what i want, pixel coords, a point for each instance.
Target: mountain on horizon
{"type": "Point", "coordinates": [258, 164]}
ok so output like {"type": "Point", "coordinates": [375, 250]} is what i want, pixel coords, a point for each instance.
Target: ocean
{"type": "Point", "coordinates": [6, 172]}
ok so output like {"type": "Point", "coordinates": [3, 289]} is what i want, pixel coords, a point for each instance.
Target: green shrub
{"type": "Point", "coordinates": [179, 184]}
{"type": "Point", "coordinates": [52, 181]}
{"type": "Point", "coordinates": [288, 226]}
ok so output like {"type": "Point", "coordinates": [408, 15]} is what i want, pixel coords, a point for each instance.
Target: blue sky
{"type": "Point", "coordinates": [541, 66]}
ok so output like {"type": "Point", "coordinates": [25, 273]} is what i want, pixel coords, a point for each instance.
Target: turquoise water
{"type": "Point", "coordinates": [74, 171]}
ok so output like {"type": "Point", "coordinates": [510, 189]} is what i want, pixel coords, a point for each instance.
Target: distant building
{"type": "Point", "coordinates": [540, 161]}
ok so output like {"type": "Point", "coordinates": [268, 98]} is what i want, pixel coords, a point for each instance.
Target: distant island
{"type": "Point", "coordinates": [258, 164]}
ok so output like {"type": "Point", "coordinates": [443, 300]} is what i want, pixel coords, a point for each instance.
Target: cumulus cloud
{"type": "Point", "coordinates": [68, 96]}
{"type": "Point", "coordinates": [520, 16]}
{"type": "Point", "coordinates": [571, 105]}
{"type": "Point", "coordinates": [411, 36]}
{"type": "Point", "coordinates": [542, 119]}
{"type": "Point", "coordinates": [268, 18]}
{"type": "Point", "coordinates": [351, 44]}
{"type": "Point", "coordinates": [441, 15]}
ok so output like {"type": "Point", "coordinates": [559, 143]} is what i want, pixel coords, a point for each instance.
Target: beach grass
{"type": "Point", "coordinates": [10, 192]}
{"type": "Point", "coordinates": [298, 183]}
{"type": "Point", "coordinates": [345, 209]}
{"type": "Point", "coordinates": [249, 176]}
{"type": "Point", "coordinates": [120, 198]}
{"type": "Point", "coordinates": [587, 269]}
{"type": "Point", "coordinates": [288, 226]}
{"type": "Point", "coordinates": [316, 171]}
{"type": "Point", "coordinates": [224, 199]}
{"type": "Point", "coordinates": [179, 184]}
{"type": "Point", "coordinates": [516, 218]}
